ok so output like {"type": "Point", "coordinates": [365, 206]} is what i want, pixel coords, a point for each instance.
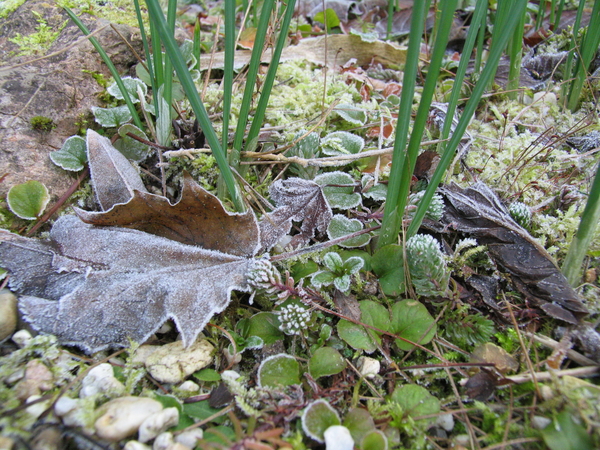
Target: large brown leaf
{"type": "Point", "coordinates": [97, 287]}
{"type": "Point", "coordinates": [198, 218]}
{"type": "Point", "coordinates": [477, 211]}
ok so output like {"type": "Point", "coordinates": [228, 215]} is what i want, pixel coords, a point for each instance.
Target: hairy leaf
{"type": "Point", "coordinates": [114, 178]}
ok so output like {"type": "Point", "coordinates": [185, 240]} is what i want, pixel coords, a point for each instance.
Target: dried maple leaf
{"type": "Point", "coordinates": [97, 287]}
{"type": "Point", "coordinates": [477, 211]}
{"type": "Point", "coordinates": [297, 200]}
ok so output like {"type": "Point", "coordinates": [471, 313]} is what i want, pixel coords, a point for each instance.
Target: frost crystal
{"type": "Point", "coordinates": [294, 319]}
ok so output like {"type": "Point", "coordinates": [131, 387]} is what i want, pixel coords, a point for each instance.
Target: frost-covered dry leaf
{"type": "Point", "coordinates": [297, 200]}
{"type": "Point", "coordinates": [198, 218]}
{"type": "Point", "coordinates": [113, 176]}
{"type": "Point", "coordinates": [477, 211]}
{"type": "Point", "coordinates": [97, 287]}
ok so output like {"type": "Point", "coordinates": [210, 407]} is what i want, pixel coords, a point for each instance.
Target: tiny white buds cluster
{"type": "Point", "coordinates": [294, 319]}
{"type": "Point", "coordinates": [264, 276]}
{"type": "Point", "coordinates": [521, 213]}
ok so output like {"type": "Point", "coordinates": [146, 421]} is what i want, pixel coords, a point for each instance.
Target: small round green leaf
{"type": "Point", "coordinates": [72, 155]}
{"type": "Point", "coordinates": [352, 114]}
{"type": "Point", "coordinates": [375, 440]}
{"type": "Point", "coordinates": [388, 264]}
{"type": "Point", "coordinates": [265, 325]}
{"type": "Point", "coordinates": [207, 375]}
{"type": "Point", "coordinates": [28, 200]}
{"type": "Point", "coordinates": [342, 143]}
{"type": "Point", "coordinates": [112, 117]}
{"type": "Point", "coordinates": [326, 361]}
{"type": "Point", "coordinates": [355, 336]}
{"type": "Point", "coordinates": [317, 417]}
{"type": "Point", "coordinates": [132, 148]}
{"type": "Point", "coordinates": [416, 401]}
{"type": "Point", "coordinates": [412, 321]}
{"type": "Point", "coordinates": [279, 370]}
{"type": "Point", "coordinates": [374, 314]}
{"type": "Point", "coordinates": [338, 188]}
{"type": "Point", "coordinates": [342, 226]}
{"type": "Point", "coordinates": [131, 86]}
{"type": "Point", "coordinates": [359, 422]}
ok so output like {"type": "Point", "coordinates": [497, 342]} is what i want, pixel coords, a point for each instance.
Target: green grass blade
{"type": "Point", "coordinates": [504, 31]}
{"type": "Point", "coordinates": [110, 65]}
{"type": "Point", "coordinates": [588, 49]}
{"type": "Point", "coordinates": [270, 77]}
{"type": "Point", "coordinates": [183, 73]}
{"type": "Point", "coordinates": [515, 55]}
{"type": "Point", "coordinates": [257, 49]}
{"type": "Point", "coordinates": [228, 67]}
{"type": "Point", "coordinates": [168, 73]}
{"type": "Point", "coordinates": [392, 218]}
{"type": "Point", "coordinates": [572, 264]}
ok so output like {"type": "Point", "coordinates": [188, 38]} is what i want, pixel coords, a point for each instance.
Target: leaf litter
{"type": "Point", "coordinates": [138, 238]}
{"type": "Point", "coordinates": [99, 284]}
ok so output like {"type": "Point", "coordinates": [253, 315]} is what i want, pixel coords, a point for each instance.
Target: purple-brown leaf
{"type": "Point", "coordinates": [297, 200]}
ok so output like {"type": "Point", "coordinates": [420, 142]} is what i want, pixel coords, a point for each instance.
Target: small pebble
{"type": "Point", "coordinates": [8, 314]}
{"type": "Point", "coordinates": [21, 338]}
{"type": "Point", "coordinates": [190, 438]}
{"type": "Point", "coordinates": [446, 421]}
{"type": "Point", "coordinates": [171, 363]}
{"type": "Point", "coordinates": [135, 445]}
{"type": "Point", "coordinates": [37, 409]}
{"type": "Point", "coordinates": [122, 417]}
{"type": "Point", "coordinates": [6, 443]}
{"type": "Point", "coordinates": [101, 379]}
{"type": "Point", "coordinates": [368, 367]}
{"type": "Point", "coordinates": [189, 386]}
{"type": "Point", "coordinates": [539, 422]}
{"type": "Point", "coordinates": [158, 423]}
{"type": "Point", "coordinates": [337, 437]}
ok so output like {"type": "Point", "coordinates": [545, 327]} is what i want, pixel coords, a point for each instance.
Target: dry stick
{"type": "Point", "coordinates": [329, 161]}
{"type": "Point", "coordinates": [573, 355]}
{"type": "Point", "coordinates": [61, 201]}
{"type": "Point", "coordinates": [469, 425]}
{"type": "Point", "coordinates": [580, 372]}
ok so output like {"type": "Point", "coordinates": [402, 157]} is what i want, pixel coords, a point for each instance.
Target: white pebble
{"type": "Point", "coordinates": [8, 314]}
{"type": "Point", "coordinates": [37, 409]}
{"type": "Point", "coordinates": [446, 421]}
{"type": "Point", "coordinates": [368, 367]}
{"type": "Point", "coordinates": [163, 441]}
{"type": "Point", "coordinates": [157, 423]}
{"type": "Point", "coordinates": [101, 380]}
{"type": "Point", "coordinates": [21, 338]}
{"type": "Point", "coordinates": [337, 437]}
{"type": "Point", "coordinates": [189, 386]}
{"type": "Point", "coordinates": [135, 445]}
{"type": "Point", "coordinates": [122, 417]}
{"type": "Point", "coordinates": [190, 438]}
{"type": "Point", "coordinates": [172, 363]}
{"type": "Point", "coordinates": [540, 422]}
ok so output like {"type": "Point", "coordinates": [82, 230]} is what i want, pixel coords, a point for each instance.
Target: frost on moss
{"type": "Point", "coordinates": [511, 155]}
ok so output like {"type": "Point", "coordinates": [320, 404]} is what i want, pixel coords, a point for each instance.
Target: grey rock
{"type": "Point", "coordinates": [55, 87]}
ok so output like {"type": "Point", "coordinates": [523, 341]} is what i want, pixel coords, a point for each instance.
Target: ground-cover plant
{"type": "Point", "coordinates": [413, 344]}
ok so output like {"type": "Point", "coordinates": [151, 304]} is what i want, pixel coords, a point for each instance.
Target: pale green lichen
{"type": "Point", "coordinates": [116, 11]}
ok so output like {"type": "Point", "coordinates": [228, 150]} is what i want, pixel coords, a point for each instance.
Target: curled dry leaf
{"type": "Point", "coordinates": [478, 212]}
{"type": "Point", "coordinates": [297, 200]}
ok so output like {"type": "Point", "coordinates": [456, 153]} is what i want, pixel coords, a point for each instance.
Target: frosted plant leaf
{"type": "Point", "coordinates": [131, 86]}
{"type": "Point", "coordinates": [338, 188]}
{"type": "Point", "coordinates": [342, 143]}
{"type": "Point", "coordinates": [114, 178]}
{"type": "Point", "coordinates": [297, 200]}
{"type": "Point", "coordinates": [97, 287]}
{"type": "Point", "coordinates": [111, 117]}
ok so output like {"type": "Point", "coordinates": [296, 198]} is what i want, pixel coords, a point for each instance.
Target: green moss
{"type": "Point", "coordinates": [8, 6]}
{"type": "Point", "coordinates": [99, 77]}
{"type": "Point", "coordinates": [40, 41]}
{"type": "Point", "coordinates": [117, 11]}
{"type": "Point", "coordinates": [41, 123]}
